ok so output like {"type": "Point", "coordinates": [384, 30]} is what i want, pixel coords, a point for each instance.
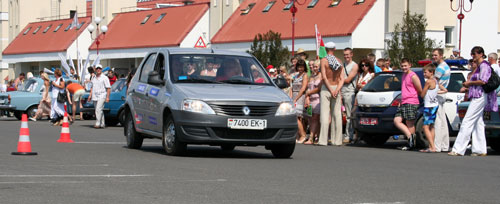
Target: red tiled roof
{"type": "Point", "coordinates": [152, 3]}
{"type": "Point", "coordinates": [340, 20]}
{"type": "Point", "coordinates": [126, 30]}
{"type": "Point", "coordinates": [49, 41]}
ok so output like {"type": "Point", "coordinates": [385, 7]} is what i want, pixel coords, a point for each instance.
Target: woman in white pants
{"type": "Point", "coordinates": [473, 123]}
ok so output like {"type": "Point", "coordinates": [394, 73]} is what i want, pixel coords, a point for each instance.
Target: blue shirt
{"type": "Point", "coordinates": [443, 73]}
{"type": "Point", "coordinates": [377, 69]}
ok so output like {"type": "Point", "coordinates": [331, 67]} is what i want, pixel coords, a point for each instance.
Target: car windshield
{"type": "Point", "coordinates": [118, 85]}
{"type": "Point", "coordinates": [190, 68]}
{"type": "Point", "coordinates": [390, 81]}
{"type": "Point", "coordinates": [30, 86]}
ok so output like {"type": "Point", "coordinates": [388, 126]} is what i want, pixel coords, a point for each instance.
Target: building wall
{"type": "Point", "coordinates": [371, 24]}
{"type": "Point", "coordinates": [199, 30]}
{"type": "Point", "coordinates": [220, 11]}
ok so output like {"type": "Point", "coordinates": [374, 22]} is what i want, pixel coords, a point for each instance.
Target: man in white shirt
{"type": "Point", "coordinates": [99, 94]}
{"type": "Point", "coordinates": [492, 59]}
{"type": "Point", "coordinates": [442, 74]}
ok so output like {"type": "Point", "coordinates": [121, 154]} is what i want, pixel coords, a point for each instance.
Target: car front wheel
{"type": "Point", "coordinates": [134, 139]}
{"type": "Point", "coordinates": [170, 140]}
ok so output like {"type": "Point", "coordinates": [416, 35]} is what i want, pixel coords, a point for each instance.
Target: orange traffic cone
{"type": "Point", "coordinates": [24, 144]}
{"type": "Point", "coordinates": [65, 135]}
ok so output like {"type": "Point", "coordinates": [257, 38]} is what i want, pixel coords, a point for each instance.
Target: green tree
{"type": "Point", "coordinates": [409, 41]}
{"type": "Point", "coordinates": [268, 49]}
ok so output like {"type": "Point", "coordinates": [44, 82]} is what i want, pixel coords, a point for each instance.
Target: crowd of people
{"type": "Point", "coordinates": [324, 91]}
{"type": "Point", "coordinates": [59, 92]}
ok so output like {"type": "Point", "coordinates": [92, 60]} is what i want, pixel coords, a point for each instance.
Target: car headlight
{"type": "Point", "coordinates": [197, 106]}
{"type": "Point", "coordinates": [285, 108]}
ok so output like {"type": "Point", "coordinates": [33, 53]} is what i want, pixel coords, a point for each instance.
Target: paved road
{"type": "Point", "coordinates": [97, 168]}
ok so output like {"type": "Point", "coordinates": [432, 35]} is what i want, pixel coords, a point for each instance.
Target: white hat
{"type": "Point", "coordinates": [330, 45]}
{"type": "Point", "coordinates": [272, 70]}
{"type": "Point", "coordinates": [456, 50]}
{"type": "Point", "coordinates": [98, 66]}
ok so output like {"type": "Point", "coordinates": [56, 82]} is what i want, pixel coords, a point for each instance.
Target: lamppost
{"type": "Point", "coordinates": [460, 16]}
{"type": "Point", "coordinates": [98, 37]}
{"type": "Point", "coordinates": [293, 10]}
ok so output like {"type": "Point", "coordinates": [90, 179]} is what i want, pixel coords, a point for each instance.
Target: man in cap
{"type": "Point", "coordinates": [456, 54]}
{"type": "Point", "coordinates": [99, 94]}
{"type": "Point", "coordinates": [333, 79]}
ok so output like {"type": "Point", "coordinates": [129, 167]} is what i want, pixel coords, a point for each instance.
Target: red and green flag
{"type": "Point", "coordinates": [320, 45]}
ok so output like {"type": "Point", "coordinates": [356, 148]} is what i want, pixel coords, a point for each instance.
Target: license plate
{"type": "Point", "coordinates": [2, 101]}
{"type": "Point", "coordinates": [368, 121]}
{"type": "Point", "coordinates": [254, 124]}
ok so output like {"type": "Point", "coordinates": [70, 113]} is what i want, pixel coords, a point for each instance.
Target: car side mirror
{"type": "Point", "coordinates": [281, 82]}
{"type": "Point", "coordinates": [154, 78]}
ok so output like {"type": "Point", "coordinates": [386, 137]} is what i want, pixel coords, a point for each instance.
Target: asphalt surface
{"type": "Point", "coordinates": [98, 168]}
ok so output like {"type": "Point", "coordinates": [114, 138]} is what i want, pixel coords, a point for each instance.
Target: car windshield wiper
{"type": "Point", "coordinates": [237, 81]}
{"type": "Point", "coordinates": [198, 80]}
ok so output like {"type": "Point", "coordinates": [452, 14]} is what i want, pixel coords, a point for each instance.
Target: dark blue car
{"type": "Point", "coordinates": [113, 111]}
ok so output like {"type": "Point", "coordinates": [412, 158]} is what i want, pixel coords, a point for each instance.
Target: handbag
{"type": "Point", "coordinates": [493, 82]}
{"type": "Point", "coordinates": [61, 97]}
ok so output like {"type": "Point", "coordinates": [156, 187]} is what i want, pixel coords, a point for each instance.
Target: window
{"type": "Point", "coordinates": [334, 3]}
{"type": "Point", "coordinates": [384, 82]}
{"type": "Point", "coordinates": [247, 10]}
{"type": "Point", "coordinates": [57, 28]}
{"type": "Point", "coordinates": [448, 35]}
{"type": "Point", "coordinates": [288, 6]}
{"type": "Point", "coordinates": [67, 28]}
{"type": "Point", "coordinates": [47, 29]}
{"type": "Point", "coordinates": [26, 31]}
{"type": "Point", "coordinates": [147, 67]}
{"type": "Point", "coordinates": [456, 80]}
{"type": "Point", "coordinates": [80, 25]}
{"type": "Point", "coordinates": [37, 29]}
{"type": "Point", "coordinates": [146, 19]}
{"type": "Point", "coordinates": [160, 65]}
{"type": "Point", "coordinates": [312, 4]}
{"type": "Point", "coordinates": [160, 17]}
{"type": "Point", "coordinates": [269, 5]}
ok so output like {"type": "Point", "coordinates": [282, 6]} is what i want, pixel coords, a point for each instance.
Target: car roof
{"type": "Point", "coordinates": [204, 51]}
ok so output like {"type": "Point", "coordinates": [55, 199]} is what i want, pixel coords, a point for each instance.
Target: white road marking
{"type": "Point", "coordinates": [48, 176]}
{"type": "Point", "coordinates": [101, 181]}
{"type": "Point", "coordinates": [382, 203]}
{"type": "Point", "coordinates": [123, 143]}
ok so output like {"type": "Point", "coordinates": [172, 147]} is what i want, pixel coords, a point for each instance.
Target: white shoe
{"type": "Point", "coordinates": [33, 119]}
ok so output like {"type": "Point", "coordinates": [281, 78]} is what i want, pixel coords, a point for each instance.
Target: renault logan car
{"type": "Point", "coordinates": [177, 96]}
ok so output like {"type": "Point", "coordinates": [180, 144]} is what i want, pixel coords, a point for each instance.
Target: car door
{"type": "Point", "coordinates": [454, 97]}
{"type": "Point", "coordinates": [156, 95]}
{"type": "Point", "coordinates": [139, 93]}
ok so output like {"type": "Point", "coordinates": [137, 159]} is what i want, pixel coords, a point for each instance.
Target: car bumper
{"type": "Point", "coordinates": [198, 128]}
{"type": "Point", "coordinates": [8, 107]}
{"type": "Point", "coordinates": [385, 122]}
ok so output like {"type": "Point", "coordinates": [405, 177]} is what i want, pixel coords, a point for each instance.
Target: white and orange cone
{"type": "Point", "coordinates": [24, 144]}
{"type": "Point", "coordinates": [65, 134]}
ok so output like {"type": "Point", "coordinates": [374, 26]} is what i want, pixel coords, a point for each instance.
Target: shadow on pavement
{"type": "Point", "coordinates": [200, 151]}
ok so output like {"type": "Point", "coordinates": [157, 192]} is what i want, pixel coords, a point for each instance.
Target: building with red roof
{"type": "Point", "coordinates": [348, 23]}
{"type": "Point", "coordinates": [39, 43]}
{"type": "Point", "coordinates": [131, 35]}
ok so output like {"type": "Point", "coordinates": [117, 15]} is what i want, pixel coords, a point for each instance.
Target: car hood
{"type": "Point", "coordinates": [232, 92]}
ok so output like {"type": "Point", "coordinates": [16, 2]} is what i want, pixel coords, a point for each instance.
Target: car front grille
{"type": "Point", "coordinates": [227, 133]}
{"type": "Point", "coordinates": [237, 110]}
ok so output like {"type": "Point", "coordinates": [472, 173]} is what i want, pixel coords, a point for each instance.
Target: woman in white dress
{"type": "Point", "coordinates": [57, 111]}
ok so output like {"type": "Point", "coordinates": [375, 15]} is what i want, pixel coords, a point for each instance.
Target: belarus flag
{"type": "Point", "coordinates": [320, 45]}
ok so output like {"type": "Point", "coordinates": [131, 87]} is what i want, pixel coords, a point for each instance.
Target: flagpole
{"type": "Point", "coordinates": [77, 62]}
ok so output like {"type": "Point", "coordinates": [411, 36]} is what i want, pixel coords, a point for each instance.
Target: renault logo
{"type": "Point", "coordinates": [246, 110]}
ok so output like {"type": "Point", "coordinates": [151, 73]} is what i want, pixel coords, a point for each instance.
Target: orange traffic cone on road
{"type": "Point", "coordinates": [24, 144]}
{"type": "Point", "coordinates": [65, 135]}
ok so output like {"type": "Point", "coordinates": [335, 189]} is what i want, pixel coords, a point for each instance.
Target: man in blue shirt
{"type": "Point", "coordinates": [442, 74]}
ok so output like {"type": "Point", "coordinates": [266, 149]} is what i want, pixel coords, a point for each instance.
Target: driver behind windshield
{"type": "Point", "coordinates": [177, 69]}
{"type": "Point", "coordinates": [229, 68]}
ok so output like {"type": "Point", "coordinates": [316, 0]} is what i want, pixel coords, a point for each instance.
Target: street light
{"type": "Point", "coordinates": [98, 38]}
{"type": "Point", "coordinates": [460, 16]}
{"type": "Point", "coordinates": [293, 10]}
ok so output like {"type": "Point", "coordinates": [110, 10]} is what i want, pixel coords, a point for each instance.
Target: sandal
{"type": "Point", "coordinates": [427, 151]}
{"type": "Point", "coordinates": [308, 142]}
{"type": "Point", "coordinates": [452, 153]}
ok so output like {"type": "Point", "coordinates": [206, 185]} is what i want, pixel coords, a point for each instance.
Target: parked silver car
{"type": "Point", "coordinates": [176, 95]}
